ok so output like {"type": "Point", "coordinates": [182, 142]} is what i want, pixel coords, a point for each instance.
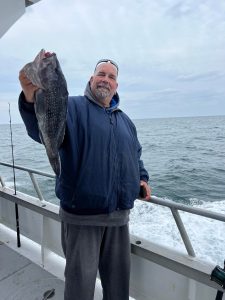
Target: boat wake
{"type": "Point", "coordinates": [156, 224]}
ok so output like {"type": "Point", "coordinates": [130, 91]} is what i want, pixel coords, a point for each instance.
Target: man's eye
{"type": "Point", "coordinates": [101, 74]}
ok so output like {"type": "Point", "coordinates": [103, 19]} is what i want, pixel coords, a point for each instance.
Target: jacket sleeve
{"type": "Point", "coordinates": [143, 172]}
{"type": "Point", "coordinates": [29, 118]}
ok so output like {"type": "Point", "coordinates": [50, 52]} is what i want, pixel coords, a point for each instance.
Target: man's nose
{"type": "Point", "coordinates": [106, 78]}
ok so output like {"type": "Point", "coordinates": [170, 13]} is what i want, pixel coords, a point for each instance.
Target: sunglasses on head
{"type": "Point", "coordinates": [101, 61]}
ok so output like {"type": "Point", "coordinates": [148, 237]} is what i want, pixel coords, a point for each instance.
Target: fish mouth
{"type": "Point", "coordinates": [45, 54]}
{"type": "Point", "coordinates": [49, 54]}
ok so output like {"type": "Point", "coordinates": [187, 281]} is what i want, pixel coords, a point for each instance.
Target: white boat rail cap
{"type": "Point", "coordinates": [11, 11]}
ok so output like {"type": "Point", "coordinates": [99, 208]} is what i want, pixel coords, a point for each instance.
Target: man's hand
{"type": "Point", "coordinates": [28, 88]}
{"type": "Point", "coordinates": [147, 190]}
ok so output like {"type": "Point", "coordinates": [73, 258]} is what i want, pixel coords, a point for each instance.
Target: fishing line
{"type": "Point", "coordinates": [13, 161]}
{"type": "Point", "coordinates": [14, 180]}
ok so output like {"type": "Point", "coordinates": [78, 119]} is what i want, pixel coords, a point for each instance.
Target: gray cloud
{"type": "Point", "coordinates": [180, 9]}
{"type": "Point", "coordinates": [212, 75]}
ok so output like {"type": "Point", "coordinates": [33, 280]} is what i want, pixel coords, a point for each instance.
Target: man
{"type": "Point", "coordinates": [101, 175]}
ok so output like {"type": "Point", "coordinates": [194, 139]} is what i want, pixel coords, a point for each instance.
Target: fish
{"type": "Point", "coordinates": [50, 103]}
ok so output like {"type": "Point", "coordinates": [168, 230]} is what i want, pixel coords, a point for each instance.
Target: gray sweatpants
{"type": "Point", "coordinates": [91, 248]}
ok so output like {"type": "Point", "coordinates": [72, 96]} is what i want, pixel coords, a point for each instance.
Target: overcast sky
{"type": "Point", "coordinates": [171, 53]}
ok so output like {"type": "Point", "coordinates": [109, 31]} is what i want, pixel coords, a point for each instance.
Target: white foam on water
{"type": "Point", "coordinates": [156, 223]}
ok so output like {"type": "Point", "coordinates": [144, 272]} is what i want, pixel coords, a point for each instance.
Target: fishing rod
{"type": "Point", "coordinates": [14, 180]}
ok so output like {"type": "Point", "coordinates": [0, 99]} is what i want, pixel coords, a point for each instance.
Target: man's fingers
{"type": "Point", "coordinates": [147, 190]}
{"type": "Point", "coordinates": [148, 194]}
{"type": "Point", "coordinates": [22, 75]}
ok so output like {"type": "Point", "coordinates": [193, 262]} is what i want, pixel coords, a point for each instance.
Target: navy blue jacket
{"type": "Point", "coordinates": [100, 157]}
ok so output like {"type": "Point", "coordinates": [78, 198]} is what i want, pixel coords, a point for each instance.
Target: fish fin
{"type": "Point", "coordinates": [41, 137]}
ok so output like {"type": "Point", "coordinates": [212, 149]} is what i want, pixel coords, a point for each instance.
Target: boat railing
{"type": "Point", "coordinates": [173, 206]}
{"type": "Point", "coordinates": [32, 173]}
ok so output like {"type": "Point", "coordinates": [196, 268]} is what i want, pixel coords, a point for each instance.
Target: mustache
{"type": "Point", "coordinates": [103, 85]}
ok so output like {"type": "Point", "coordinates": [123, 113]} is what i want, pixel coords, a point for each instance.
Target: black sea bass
{"type": "Point", "coordinates": [50, 103]}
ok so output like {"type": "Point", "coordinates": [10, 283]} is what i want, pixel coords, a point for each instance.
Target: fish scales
{"type": "Point", "coordinates": [50, 103]}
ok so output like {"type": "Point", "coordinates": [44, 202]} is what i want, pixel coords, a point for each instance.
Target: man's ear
{"type": "Point", "coordinates": [91, 79]}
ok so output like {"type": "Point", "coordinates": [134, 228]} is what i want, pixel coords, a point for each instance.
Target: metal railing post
{"type": "Point", "coordinates": [36, 186]}
{"type": "Point", "coordinates": [183, 232]}
{"type": "Point", "coordinates": [2, 181]}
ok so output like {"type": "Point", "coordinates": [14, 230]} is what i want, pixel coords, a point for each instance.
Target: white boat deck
{"type": "Point", "coordinates": [20, 278]}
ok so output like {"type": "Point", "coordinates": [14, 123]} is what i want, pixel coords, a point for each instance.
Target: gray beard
{"type": "Point", "coordinates": [102, 93]}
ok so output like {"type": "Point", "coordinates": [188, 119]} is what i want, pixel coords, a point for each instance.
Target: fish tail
{"type": "Point", "coordinates": [56, 165]}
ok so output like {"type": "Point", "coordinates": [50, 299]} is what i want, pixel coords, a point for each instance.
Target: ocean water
{"type": "Point", "coordinates": [185, 158]}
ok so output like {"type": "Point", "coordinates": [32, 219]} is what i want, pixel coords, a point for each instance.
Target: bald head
{"type": "Point", "coordinates": [107, 61]}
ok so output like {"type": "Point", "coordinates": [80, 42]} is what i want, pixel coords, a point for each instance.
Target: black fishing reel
{"type": "Point", "coordinates": [218, 275]}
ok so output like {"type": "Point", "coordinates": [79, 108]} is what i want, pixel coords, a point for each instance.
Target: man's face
{"type": "Point", "coordinates": [104, 82]}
